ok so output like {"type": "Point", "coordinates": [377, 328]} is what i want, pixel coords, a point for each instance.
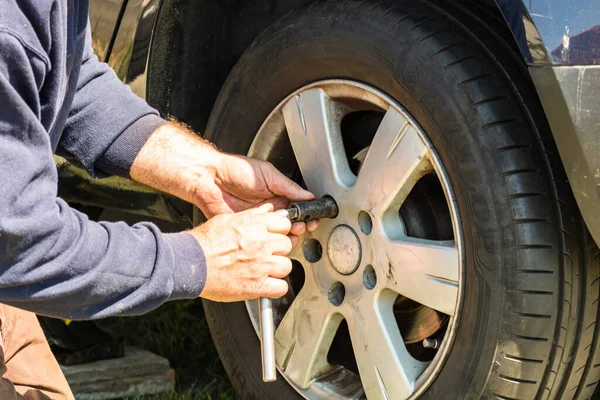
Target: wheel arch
{"type": "Point", "coordinates": [211, 35]}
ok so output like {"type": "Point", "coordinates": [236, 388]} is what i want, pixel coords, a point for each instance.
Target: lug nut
{"type": "Point", "coordinates": [336, 293]}
{"type": "Point", "coordinates": [365, 222]}
{"type": "Point", "coordinates": [431, 343]}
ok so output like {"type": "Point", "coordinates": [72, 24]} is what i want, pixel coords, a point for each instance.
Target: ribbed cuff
{"type": "Point", "coordinates": [119, 157]}
{"type": "Point", "coordinates": [189, 272]}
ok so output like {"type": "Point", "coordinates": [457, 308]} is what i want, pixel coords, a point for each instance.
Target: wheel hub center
{"type": "Point", "coordinates": [344, 249]}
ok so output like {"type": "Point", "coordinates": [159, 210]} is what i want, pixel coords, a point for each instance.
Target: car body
{"type": "Point", "coordinates": [559, 41]}
{"type": "Point", "coordinates": [180, 57]}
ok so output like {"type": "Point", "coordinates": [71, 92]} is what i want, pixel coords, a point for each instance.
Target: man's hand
{"type": "Point", "coordinates": [177, 161]}
{"type": "Point", "coordinates": [241, 183]}
{"type": "Point", "coordinates": [245, 254]}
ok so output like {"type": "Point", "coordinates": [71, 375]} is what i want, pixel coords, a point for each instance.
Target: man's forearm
{"type": "Point", "coordinates": [177, 161]}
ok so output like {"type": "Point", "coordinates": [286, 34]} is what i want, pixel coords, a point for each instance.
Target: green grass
{"type": "Point", "coordinates": [178, 331]}
{"type": "Point", "coordinates": [187, 395]}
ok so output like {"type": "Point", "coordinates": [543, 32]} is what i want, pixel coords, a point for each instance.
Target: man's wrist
{"type": "Point", "coordinates": [190, 268]}
{"type": "Point", "coordinates": [119, 157]}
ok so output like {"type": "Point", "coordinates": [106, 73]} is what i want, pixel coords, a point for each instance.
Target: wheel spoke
{"type": "Point", "coordinates": [313, 123]}
{"type": "Point", "coordinates": [386, 368]}
{"type": "Point", "coordinates": [396, 159]}
{"type": "Point", "coordinates": [425, 271]}
{"type": "Point", "coordinates": [304, 336]}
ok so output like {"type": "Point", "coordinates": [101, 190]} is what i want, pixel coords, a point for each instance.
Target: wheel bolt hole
{"type": "Point", "coordinates": [336, 293]}
{"type": "Point", "coordinates": [312, 250]}
{"type": "Point", "coordinates": [369, 277]}
{"type": "Point", "coordinates": [365, 222]}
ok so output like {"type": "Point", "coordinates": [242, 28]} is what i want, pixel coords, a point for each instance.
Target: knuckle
{"type": "Point", "coordinates": [287, 222]}
{"type": "Point", "coordinates": [249, 244]}
{"type": "Point", "coordinates": [250, 219]}
{"type": "Point", "coordinates": [287, 245]}
{"type": "Point", "coordinates": [256, 288]}
{"type": "Point", "coordinates": [268, 166]}
{"type": "Point", "coordinates": [254, 269]}
{"type": "Point", "coordinates": [262, 220]}
{"type": "Point", "coordinates": [282, 288]}
{"type": "Point", "coordinates": [287, 265]}
{"type": "Point", "coordinates": [298, 228]}
{"type": "Point", "coordinates": [280, 244]}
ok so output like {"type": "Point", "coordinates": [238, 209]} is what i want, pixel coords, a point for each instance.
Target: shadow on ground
{"type": "Point", "coordinates": [178, 331]}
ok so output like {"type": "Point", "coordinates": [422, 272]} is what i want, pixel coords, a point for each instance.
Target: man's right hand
{"type": "Point", "coordinates": [245, 254]}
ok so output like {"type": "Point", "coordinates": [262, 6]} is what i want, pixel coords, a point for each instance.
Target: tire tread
{"type": "Point", "coordinates": [552, 306]}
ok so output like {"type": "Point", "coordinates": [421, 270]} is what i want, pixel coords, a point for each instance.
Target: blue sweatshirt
{"type": "Point", "coordinates": [55, 96]}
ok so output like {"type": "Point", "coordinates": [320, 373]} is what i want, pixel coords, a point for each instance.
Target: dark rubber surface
{"type": "Point", "coordinates": [528, 326]}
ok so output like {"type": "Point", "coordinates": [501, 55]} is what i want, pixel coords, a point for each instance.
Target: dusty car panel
{"type": "Point", "coordinates": [570, 97]}
{"type": "Point", "coordinates": [132, 43]}
{"type": "Point", "coordinates": [555, 32]}
{"type": "Point", "coordinates": [561, 43]}
{"type": "Point", "coordinates": [104, 17]}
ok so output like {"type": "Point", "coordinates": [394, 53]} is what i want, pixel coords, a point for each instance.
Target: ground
{"type": "Point", "coordinates": [178, 331]}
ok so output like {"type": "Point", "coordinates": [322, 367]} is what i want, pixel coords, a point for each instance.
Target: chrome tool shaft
{"type": "Point", "coordinates": [267, 336]}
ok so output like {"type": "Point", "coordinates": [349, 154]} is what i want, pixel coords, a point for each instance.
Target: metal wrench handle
{"type": "Point", "coordinates": [267, 342]}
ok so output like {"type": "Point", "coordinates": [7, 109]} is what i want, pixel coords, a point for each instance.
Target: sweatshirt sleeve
{"type": "Point", "coordinates": [53, 260]}
{"type": "Point", "coordinates": [108, 124]}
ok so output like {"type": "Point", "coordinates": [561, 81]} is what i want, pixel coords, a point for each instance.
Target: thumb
{"type": "Point", "coordinates": [281, 185]}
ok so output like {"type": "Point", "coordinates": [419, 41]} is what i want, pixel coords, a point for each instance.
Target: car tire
{"type": "Point", "coordinates": [527, 327]}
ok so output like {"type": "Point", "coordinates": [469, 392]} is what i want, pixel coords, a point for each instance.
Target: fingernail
{"type": "Point", "coordinates": [306, 193]}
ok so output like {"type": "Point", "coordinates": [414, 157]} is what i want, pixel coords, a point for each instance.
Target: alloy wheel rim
{"type": "Point", "coordinates": [357, 264]}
